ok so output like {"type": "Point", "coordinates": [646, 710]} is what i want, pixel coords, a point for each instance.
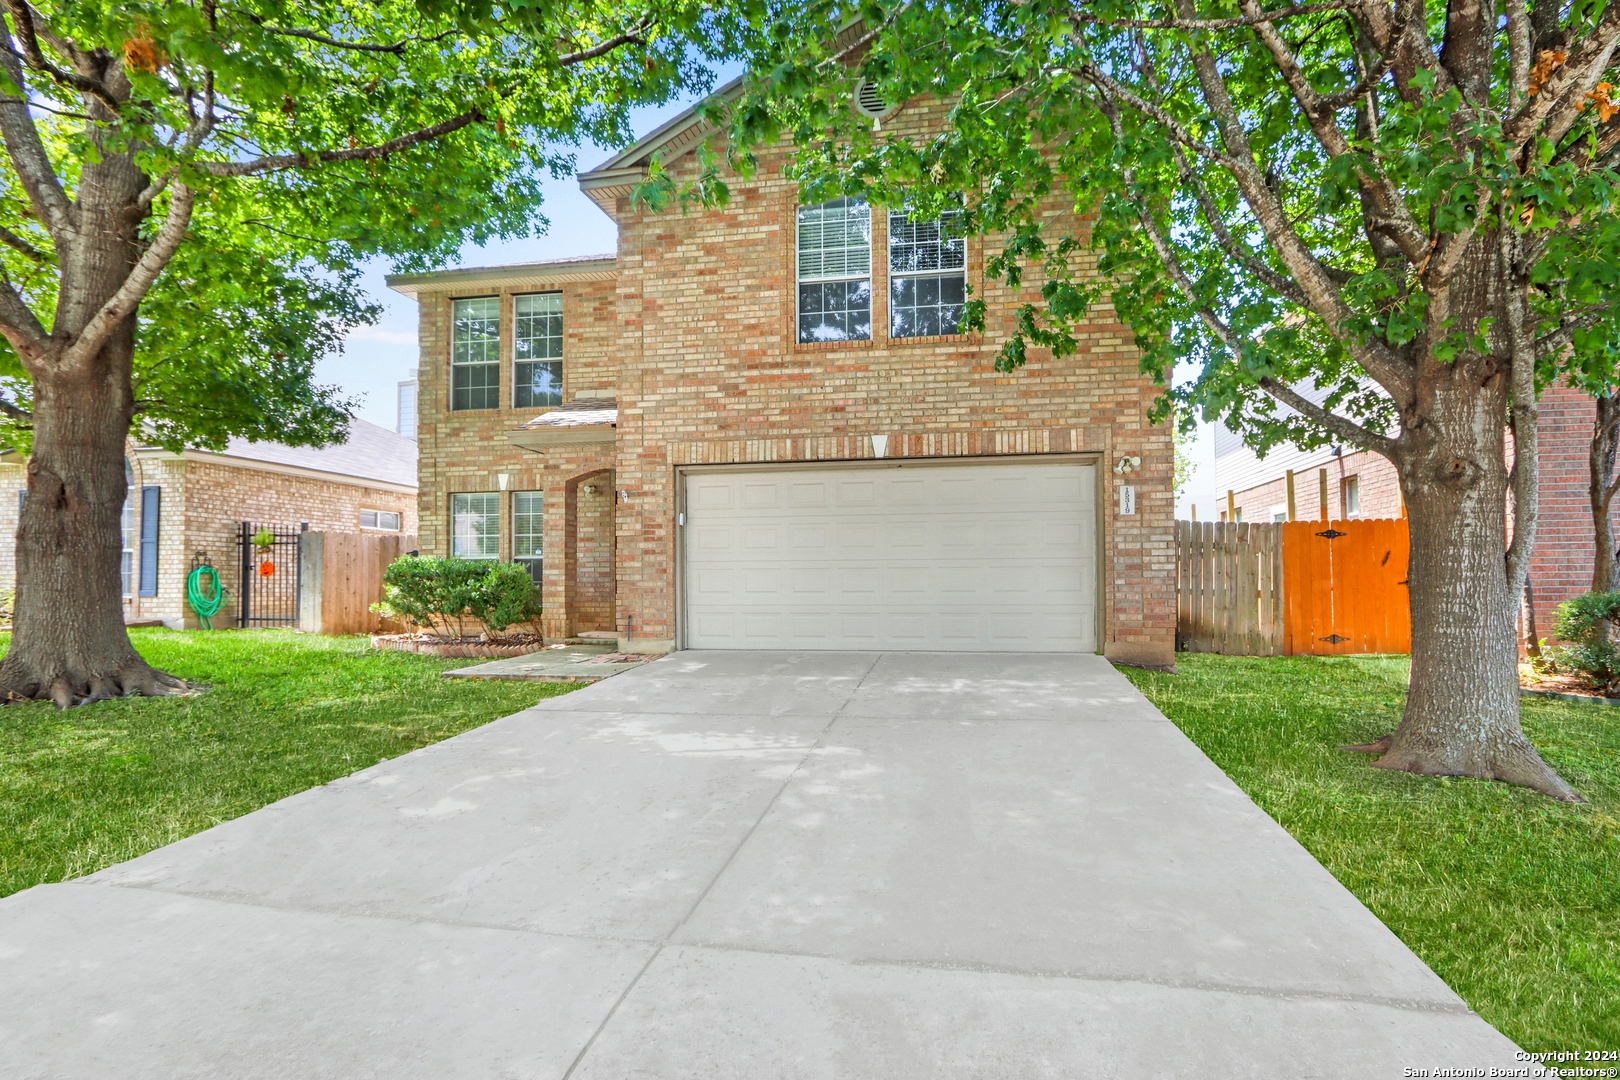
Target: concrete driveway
{"type": "Point", "coordinates": [750, 866]}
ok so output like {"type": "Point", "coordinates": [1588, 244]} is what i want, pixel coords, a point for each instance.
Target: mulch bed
{"type": "Point", "coordinates": [1563, 686]}
{"type": "Point", "coordinates": [486, 648]}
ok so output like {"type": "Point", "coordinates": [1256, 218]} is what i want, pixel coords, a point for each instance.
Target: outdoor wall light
{"type": "Point", "coordinates": [589, 489]}
{"type": "Point", "coordinates": [1128, 464]}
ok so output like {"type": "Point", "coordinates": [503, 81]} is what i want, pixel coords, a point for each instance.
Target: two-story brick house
{"type": "Point", "coordinates": [755, 427]}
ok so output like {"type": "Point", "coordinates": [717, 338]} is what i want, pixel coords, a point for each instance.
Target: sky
{"type": "Point", "coordinates": [375, 358]}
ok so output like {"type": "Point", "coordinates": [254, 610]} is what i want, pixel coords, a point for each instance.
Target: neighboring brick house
{"type": "Point", "coordinates": [194, 502]}
{"type": "Point", "coordinates": [1362, 484]}
{"type": "Point", "coordinates": [749, 428]}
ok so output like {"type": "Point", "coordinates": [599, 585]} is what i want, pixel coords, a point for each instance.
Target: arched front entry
{"type": "Point", "coordinates": [579, 593]}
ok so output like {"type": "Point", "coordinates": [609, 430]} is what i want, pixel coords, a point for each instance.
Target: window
{"type": "Point", "coordinates": [927, 277]}
{"type": "Point", "coordinates": [1279, 513]}
{"type": "Point", "coordinates": [387, 520]}
{"type": "Point", "coordinates": [835, 271]}
{"type": "Point", "coordinates": [475, 362]}
{"type": "Point", "coordinates": [537, 338]}
{"type": "Point", "coordinates": [475, 525]}
{"type": "Point", "coordinates": [126, 530]}
{"type": "Point", "coordinates": [1350, 494]}
{"type": "Point", "coordinates": [528, 528]}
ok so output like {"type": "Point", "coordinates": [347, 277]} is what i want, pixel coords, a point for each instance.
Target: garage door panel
{"type": "Point", "coordinates": [963, 557]}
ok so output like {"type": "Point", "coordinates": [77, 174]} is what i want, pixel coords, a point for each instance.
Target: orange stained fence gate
{"type": "Point", "coordinates": [1344, 587]}
{"type": "Point", "coordinates": [1318, 587]}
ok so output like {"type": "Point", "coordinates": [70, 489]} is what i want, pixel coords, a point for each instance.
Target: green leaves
{"type": "Point", "coordinates": [1067, 140]}
{"type": "Point", "coordinates": [265, 282]}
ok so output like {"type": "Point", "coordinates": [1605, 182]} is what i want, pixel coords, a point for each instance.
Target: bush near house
{"type": "Point", "coordinates": [1509, 896]}
{"type": "Point", "coordinates": [437, 594]}
{"type": "Point", "coordinates": [1588, 624]}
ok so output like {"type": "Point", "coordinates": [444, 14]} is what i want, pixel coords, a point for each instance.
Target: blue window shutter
{"type": "Point", "coordinates": [151, 495]}
{"type": "Point", "coordinates": [22, 497]}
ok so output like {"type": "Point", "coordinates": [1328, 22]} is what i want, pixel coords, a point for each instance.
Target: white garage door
{"type": "Point", "coordinates": [967, 557]}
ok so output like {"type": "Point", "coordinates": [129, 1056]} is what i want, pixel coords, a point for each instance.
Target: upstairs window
{"type": "Point", "coordinates": [475, 525]}
{"type": "Point", "coordinates": [537, 348]}
{"type": "Point", "coordinates": [475, 353]}
{"type": "Point", "coordinates": [835, 271]}
{"type": "Point", "coordinates": [927, 276]}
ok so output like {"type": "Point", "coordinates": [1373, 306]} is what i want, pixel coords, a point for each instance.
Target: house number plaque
{"type": "Point", "coordinates": [1127, 498]}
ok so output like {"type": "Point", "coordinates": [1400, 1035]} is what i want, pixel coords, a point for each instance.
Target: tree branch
{"type": "Point", "coordinates": [123, 303]}
{"type": "Point", "coordinates": [18, 244]}
{"type": "Point", "coordinates": [607, 45]}
{"type": "Point", "coordinates": [1391, 208]}
{"type": "Point", "coordinates": [278, 162]}
{"type": "Point", "coordinates": [1248, 19]}
{"type": "Point", "coordinates": [396, 48]}
{"type": "Point", "coordinates": [1321, 292]}
{"type": "Point", "coordinates": [1519, 53]}
{"type": "Point", "coordinates": [1578, 73]}
{"type": "Point", "coordinates": [1526, 420]}
{"type": "Point", "coordinates": [28, 158]}
{"type": "Point", "coordinates": [19, 324]}
{"type": "Point", "coordinates": [22, 16]}
{"type": "Point", "coordinates": [1284, 286]}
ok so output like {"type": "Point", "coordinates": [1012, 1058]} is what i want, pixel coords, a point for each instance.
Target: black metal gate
{"type": "Point", "coordinates": [269, 562]}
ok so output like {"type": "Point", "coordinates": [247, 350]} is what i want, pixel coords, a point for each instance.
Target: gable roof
{"type": "Point", "coordinates": [619, 174]}
{"type": "Point", "coordinates": [371, 453]}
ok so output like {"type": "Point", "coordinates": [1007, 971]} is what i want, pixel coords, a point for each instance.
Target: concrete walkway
{"type": "Point", "coordinates": [743, 866]}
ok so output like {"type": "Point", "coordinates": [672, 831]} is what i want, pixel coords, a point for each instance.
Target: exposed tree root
{"type": "Point", "coordinates": [134, 678]}
{"type": "Point", "coordinates": [1514, 762]}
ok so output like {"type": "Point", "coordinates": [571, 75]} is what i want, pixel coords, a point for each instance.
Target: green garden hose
{"type": "Point", "coordinates": [206, 607]}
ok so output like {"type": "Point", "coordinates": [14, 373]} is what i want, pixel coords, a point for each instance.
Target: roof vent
{"type": "Point", "coordinates": [869, 100]}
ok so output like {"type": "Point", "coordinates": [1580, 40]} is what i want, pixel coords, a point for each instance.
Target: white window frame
{"type": "Point", "coordinates": [469, 543]}
{"type": "Point", "coordinates": [377, 520]}
{"type": "Point", "coordinates": [846, 273]}
{"type": "Point", "coordinates": [518, 342]}
{"type": "Point", "coordinates": [951, 255]}
{"type": "Point", "coordinates": [462, 364]}
{"type": "Point", "coordinates": [1350, 496]}
{"type": "Point", "coordinates": [531, 554]}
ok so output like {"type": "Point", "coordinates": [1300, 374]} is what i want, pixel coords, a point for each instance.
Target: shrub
{"type": "Point", "coordinates": [1588, 623]}
{"type": "Point", "coordinates": [435, 593]}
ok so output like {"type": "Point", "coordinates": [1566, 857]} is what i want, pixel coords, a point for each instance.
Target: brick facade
{"type": "Point", "coordinates": [694, 336]}
{"type": "Point", "coordinates": [204, 500]}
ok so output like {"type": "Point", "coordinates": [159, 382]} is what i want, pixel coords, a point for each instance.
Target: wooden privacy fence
{"type": "Point", "coordinates": [1229, 588]}
{"type": "Point", "coordinates": [1317, 587]}
{"type": "Point", "coordinates": [341, 576]}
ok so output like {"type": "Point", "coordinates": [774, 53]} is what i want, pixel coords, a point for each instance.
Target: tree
{"type": "Point", "coordinates": [1408, 209]}
{"type": "Point", "coordinates": [191, 186]}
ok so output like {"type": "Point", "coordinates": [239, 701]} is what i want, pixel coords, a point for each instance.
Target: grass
{"type": "Point", "coordinates": [81, 789]}
{"type": "Point", "coordinates": [1512, 898]}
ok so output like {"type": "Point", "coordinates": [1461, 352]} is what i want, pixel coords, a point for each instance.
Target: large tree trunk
{"type": "Point", "coordinates": [1601, 460]}
{"type": "Point", "coordinates": [68, 641]}
{"type": "Point", "coordinates": [1462, 699]}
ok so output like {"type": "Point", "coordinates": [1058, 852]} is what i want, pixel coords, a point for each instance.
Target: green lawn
{"type": "Point", "coordinates": [81, 789]}
{"type": "Point", "coordinates": [1512, 898]}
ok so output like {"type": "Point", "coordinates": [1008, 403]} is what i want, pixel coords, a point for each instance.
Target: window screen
{"type": "Point", "coordinates": [528, 528]}
{"type": "Point", "coordinates": [475, 361]}
{"type": "Point", "coordinates": [537, 348]}
{"type": "Point", "coordinates": [475, 525]}
{"type": "Point", "coordinates": [927, 277]}
{"type": "Point", "coordinates": [835, 271]}
{"type": "Point", "coordinates": [380, 519]}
